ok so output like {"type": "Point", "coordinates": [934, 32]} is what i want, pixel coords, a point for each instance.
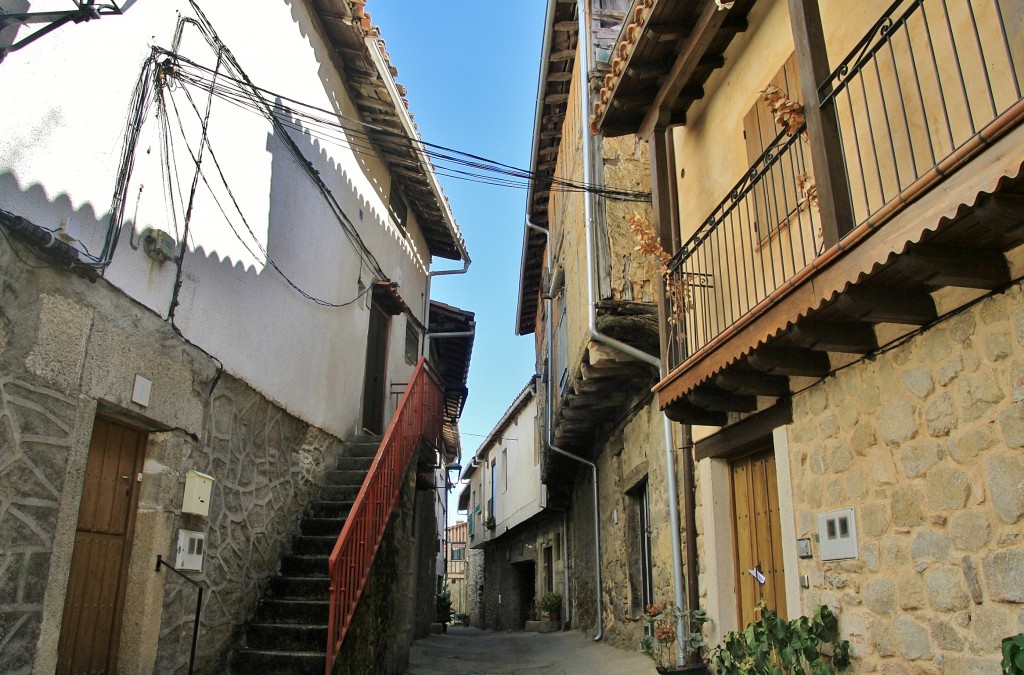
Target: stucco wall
{"type": "Point", "coordinates": [71, 349]}
{"type": "Point", "coordinates": [925, 444]}
{"type": "Point", "coordinates": [227, 286]}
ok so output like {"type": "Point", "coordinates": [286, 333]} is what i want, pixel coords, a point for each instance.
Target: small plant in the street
{"type": "Point", "coordinates": [1013, 655]}
{"type": "Point", "coordinates": [551, 604]}
{"type": "Point", "coordinates": [662, 640]}
{"type": "Point", "coordinates": [803, 646]}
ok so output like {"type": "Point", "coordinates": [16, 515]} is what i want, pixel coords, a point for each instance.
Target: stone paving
{"type": "Point", "coordinates": [470, 651]}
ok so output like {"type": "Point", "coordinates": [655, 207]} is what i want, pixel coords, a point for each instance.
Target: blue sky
{"type": "Point", "coordinates": [470, 68]}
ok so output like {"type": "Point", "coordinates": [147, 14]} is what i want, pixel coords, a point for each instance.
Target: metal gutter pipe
{"type": "Point", "coordinates": [583, 49]}
{"type": "Point", "coordinates": [548, 298]}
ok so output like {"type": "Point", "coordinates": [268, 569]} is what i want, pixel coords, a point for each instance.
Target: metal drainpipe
{"type": "Point", "coordinates": [565, 453]}
{"type": "Point", "coordinates": [588, 217]}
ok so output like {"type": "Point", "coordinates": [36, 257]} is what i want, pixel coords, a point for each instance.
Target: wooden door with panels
{"type": "Point", "coordinates": [94, 603]}
{"type": "Point", "coordinates": [757, 535]}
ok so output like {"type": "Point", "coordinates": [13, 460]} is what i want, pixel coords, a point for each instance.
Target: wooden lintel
{"type": "Point", "coordinates": [684, 412]}
{"type": "Point", "coordinates": [563, 55]}
{"type": "Point", "coordinates": [551, 133]}
{"type": "Point", "coordinates": [548, 152]}
{"type": "Point", "coordinates": [748, 435]}
{"type": "Point", "coordinates": [556, 98]}
{"type": "Point", "coordinates": [914, 307]}
{"type": "Point", "coordinates": [713, 398]}
{"type": "Point", "coordinates": [959, 266]}
{"type": "Point", "coordinates": [567, 26]}
{"type": "Point", "coordinates": [849, 337]}
{"type": "Point", "coordinates": [790, 361]}
{"type": "Point", "coordinates": [560, 77]}
{"type": "Point", "coordinates": [753, 383]}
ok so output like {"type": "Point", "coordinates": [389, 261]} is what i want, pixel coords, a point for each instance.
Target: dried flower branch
{"type": "Point", "coordinates": [788, 113]}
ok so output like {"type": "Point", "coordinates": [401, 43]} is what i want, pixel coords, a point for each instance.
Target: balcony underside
{"type": "Point", "coordinates": [929, 259]}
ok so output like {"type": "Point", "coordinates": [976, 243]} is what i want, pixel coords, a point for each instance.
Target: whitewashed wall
{"type": "Point", "coordinates": [66, 101]}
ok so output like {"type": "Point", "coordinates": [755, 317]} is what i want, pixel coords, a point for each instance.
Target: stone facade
{"type": "Point", "coordinates": [925, 444]}
{"type": "Point", "coordinates": [71, 349]}
{"type": "Point", "coordinates": [475, 587]}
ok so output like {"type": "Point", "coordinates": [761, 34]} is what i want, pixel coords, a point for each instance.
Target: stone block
{"type": "Point", "coordinates": [60, 342]}
{"type": "Point", "coordinates": [1017, 383]}
{"type": "Point", "coordinates": [874, 519]}
{"type": "Point", "coordinates": [971, 665]}
{"type": "Point", "coordinates": [828, 427]}
{"type": "Point", "coordinates": [978, 393]}
{"type": "Point", "coordinates": [990, 623]}
{"type": "Point", "coordinates": [966, 445]}
{"type": "Point", "coordinates": [816, 461]}
{"type": "Point", "coordinates": [912, 639]}
{"type": "Point", "coordinates": [918, 382]}
{"type": "Point", "coordinates": [869, 552]}
{"type": "Point", "coordinates": [940, 416]}
{"type": "Point", "coordinates": [1004, 575]}
{"type": "Point", "coordinates": [817, 400]}
{"type": "Point", "coordinates": [970, 530]}
{"type": "Point", "coordinates": [949, 370]}
{"type": "Point", "coordinates": [930, 546]}
{"type": "Point", "coordinates": [882, 638]}
{"type": "Point", "coordinates": [946, 636]}
{"type": "Point", "coordinates": [961, 327]}
{"type": "Point", "coordinates": [896, 422]}
{"type": "Point", "coordinates": [895, 552]}
{"type": "Point", "coordinates": [863, 438]}
{"type": "Point", "coordinates": [945, 588]}
{"type": "Point", "coordinates": [880, 596]}
{"type": "Point", "coordinates": [869, 398]}
{"type": "Point", "coordinates": [839, 458]}
{"type": "Point", "coordinates": [934, 345]}
{"type": "Point", "coordinates": [971, 579]}
{"type": "Point", "coordinates": [997, 347]}
{"type": "Point", "coordinates": [921, 456]}
{"type": "Point", "coordinates": [947, 489]}
{"type": "Point", "coordinates": [1006, 486]}
{"type": "Point", "coordinates": [912, 590]}
{"type": "Point", "coordinates": [906, 506]}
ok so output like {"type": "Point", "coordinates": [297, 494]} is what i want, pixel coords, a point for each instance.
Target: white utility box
{"type": "Point", "coordinates": [837, 535]}
{"type": "Point", "coordinates": [191, 545]}
{"type": "Point", "coordinates": [197, 493]}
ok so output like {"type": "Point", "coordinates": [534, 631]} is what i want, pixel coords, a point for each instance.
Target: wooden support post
{"type": "Point", "coordinates": [666, 222]}
{"type": "Point", "coordinates": [830, 175]}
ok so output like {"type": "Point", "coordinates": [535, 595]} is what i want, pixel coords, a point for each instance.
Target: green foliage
{"type": "Point", "coordinates": [771, 646]}
{"type": "Point", "coordinates": [661, 638]}
{"type": "Point", "coordinates": [550, 602]}
{"type": "Point", "coordinates": [444, 606]}
{"type": "Point", "coordinates": [1013, 655]}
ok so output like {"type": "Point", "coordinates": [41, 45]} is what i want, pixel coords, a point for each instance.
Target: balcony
{"type": "Point", "coordinates": [925, 112]}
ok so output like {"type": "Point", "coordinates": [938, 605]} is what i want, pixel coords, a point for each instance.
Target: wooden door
{"type": "Point", "coordinates": [758, 536]}
{"type": "Point", "coordinates": [376, 370]}
{"type": "Point", "coordinates": [91, 627]}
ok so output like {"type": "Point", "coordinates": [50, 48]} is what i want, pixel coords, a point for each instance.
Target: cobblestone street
{"type": "Point", "coordinates": [470, 651]}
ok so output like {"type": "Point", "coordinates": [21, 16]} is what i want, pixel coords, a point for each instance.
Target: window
{"type": "Point", "coordinates": [549, 570]}
{"type": "Point", "coordinates": [774, 195]}
{"type": "Point", "coordinates": [494, 476]}
{"type": "Point", "coordinates": [504, 469]}
{"type": "Point", "coordinates": [641, 585]}
{"type": "Point", "coordinates": [458, 552]}
{"type": "Point", "coordinates": [412, 342]}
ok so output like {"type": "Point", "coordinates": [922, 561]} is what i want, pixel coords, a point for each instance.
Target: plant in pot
{"type": "Point", "coordinates": [663, 642]}
{"type": "Point", "coordinates": [551, 604]}
{"type": "Point", "coordinates": [443, 609]}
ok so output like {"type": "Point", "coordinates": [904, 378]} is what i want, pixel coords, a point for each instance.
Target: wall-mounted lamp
{"type": "Point", "coordinates": [85, 10]}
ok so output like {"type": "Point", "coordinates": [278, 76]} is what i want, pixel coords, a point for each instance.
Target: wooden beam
{"type": "Point", "coordinates": [567, 26]}
{"type": "Point", "coordinates": [668, 32]}
{"type": "Point", "coordinates": [701, 36]}
{"type": "Point", "coordinates": [747, 435]}
{"type": "Point", "coordinates": [823, 132]}
{"type": "Point", "coordinates": [790, 361]}
{"type": "Point", "coordinates": [874, 304]}
{"type": "Point", "coordinates": [713, 398]}
{"type": "Point", "coordinates": [753, 383]}
{"type": "Point", "coordinates": [563, 55]}
{"type": "Point", "coordinates": [556, 98]}
{"type": "Point", "coordinates": [559, 77]}
{"type": "Point", "coordinates": [684, 412]}
{"type": "Point", "coordinates": [960, 266]}
{"type": "Point", "coordinates": [848, 337]}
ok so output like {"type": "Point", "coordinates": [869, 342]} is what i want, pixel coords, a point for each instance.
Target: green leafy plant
{"type": "Point", "coordinates": [1013, 655]}
{"type": "Point", "coordinates": [550, 602]}
{"type": "Point", "coordinates": [661, 640]}
{"type": "Point", "coordinates": [772, 646]}
{"type": "Point", "coordinates": [443, 608]}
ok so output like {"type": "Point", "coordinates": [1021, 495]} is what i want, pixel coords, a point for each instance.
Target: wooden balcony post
{"type": "Point", "coordinates": [830, 176]}
{"type": "Point", "coordinates": [666, 219]}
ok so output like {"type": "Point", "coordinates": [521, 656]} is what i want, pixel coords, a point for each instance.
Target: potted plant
{"type": "Point", "coordinates": [771, 645]}
{"type": "Point", "coordinates": [443, 609]}
{"type": "Point", "coordinates": [489, 523]}
{"type": "Point", "coordinates": [663, 642]}
{"type": "Point", "coordinates": [551, 604]}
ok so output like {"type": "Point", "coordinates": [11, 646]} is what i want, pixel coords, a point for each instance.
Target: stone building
{"type": "Point", "coordinates": [456, 566]}
{"type": "Point", "coordinates": [258, 329]}
{"type": "Point", "coordinates": [839, 186]}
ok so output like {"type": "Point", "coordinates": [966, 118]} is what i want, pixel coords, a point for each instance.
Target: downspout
{"type": "Point", "coordinates": [549, 299]}
{"type": "Point", "coordinates": [583, 49]}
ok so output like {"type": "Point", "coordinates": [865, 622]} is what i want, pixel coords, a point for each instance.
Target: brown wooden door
{"type": "Point", "coordinates": [376, 370]}
{"type": "Point", "coordinates": [758, 535]}
{"type": "Point", "coordinates": [91, 627]}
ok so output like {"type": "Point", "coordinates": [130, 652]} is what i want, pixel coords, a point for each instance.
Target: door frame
{"type": "Point", "coordinates": [375, 395]}
{"type": "Point", "coordinates": [719, 545]}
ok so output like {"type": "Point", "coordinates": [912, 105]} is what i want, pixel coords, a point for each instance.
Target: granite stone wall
{"type": "Point", "coordinates": [925, 443]}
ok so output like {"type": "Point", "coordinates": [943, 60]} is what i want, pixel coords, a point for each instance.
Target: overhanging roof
{"type": "Point", "coordinates": [666, 52]}
{"type": "Point", "coordinates": [360, 56]}
{"type": "Point", "coordinates": [450, 356]}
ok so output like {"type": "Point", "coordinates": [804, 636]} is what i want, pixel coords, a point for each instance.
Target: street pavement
{"type": "Point", "coordinates": [470, 651]}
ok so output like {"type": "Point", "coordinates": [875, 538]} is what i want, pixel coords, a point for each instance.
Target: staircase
{"type": "Point", "coordinates": [289, 632]}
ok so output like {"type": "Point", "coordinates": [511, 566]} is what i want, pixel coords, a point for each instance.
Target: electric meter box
{"type": "Point", "coordinates": [197, 493]}
{"type": "Point", "coordinates": [190, 550]}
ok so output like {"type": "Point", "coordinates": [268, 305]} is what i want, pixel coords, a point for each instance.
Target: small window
{"type": "Point", "coordinates": [412, 343]}
{"type": "Point", "coordinates": [458, 552]}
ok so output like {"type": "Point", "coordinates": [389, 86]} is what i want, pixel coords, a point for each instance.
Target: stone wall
{"type": "Point", "coordinates": [475, 583]}
{"type": "Point", "coordinates": [506, 561]}
{"type": "Point", "coordinates": [70, 349]}
{"type": "Point", "coordinates": [925, 444]}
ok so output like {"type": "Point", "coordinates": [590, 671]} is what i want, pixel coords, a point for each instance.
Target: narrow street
{"type": "Point", "coordinates": [470, 650]}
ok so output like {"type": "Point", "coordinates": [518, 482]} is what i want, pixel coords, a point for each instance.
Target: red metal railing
{"type": "Point", "coordinates": [419, 415]}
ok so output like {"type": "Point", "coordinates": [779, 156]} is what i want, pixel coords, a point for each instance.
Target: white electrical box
{"type": "Point", "coordinates": [191, 545]}
{"type": "Point", "coordinates": [197, 493]}
{"type": "Point", "coordinates": [837, 535]}
{"type": "Point", "coordinates": [141, 390]}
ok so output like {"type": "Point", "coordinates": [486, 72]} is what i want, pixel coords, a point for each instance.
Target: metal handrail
{"type": "Point", "coordinates": [419, 416]}
{"type": "Point", "coordinates": [160, 562]}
